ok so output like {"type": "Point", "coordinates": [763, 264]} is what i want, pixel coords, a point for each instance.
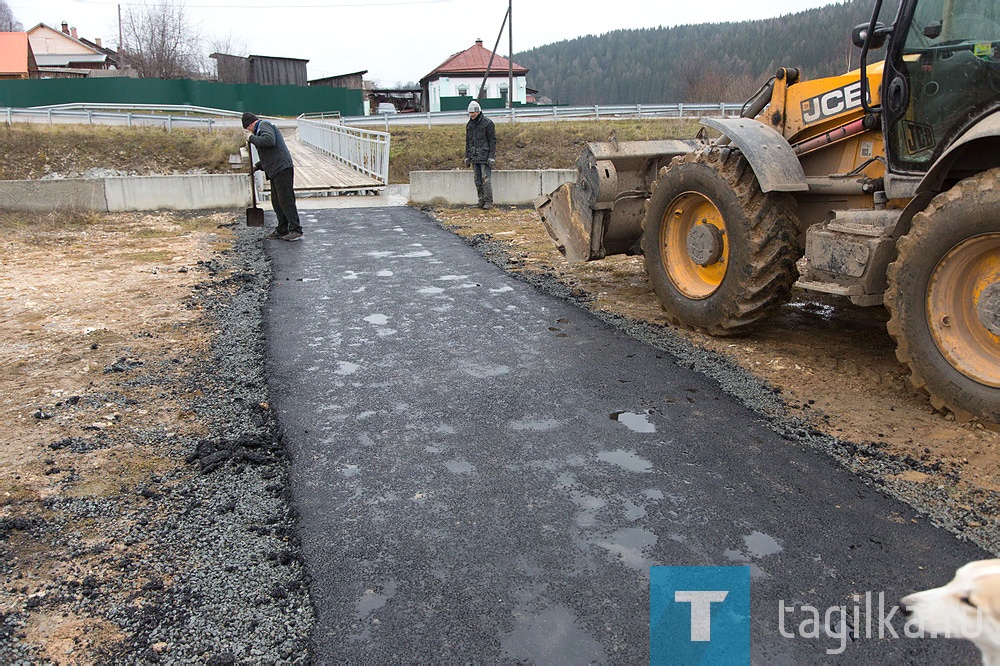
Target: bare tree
{"type": "Point", "coordinates": [160, 41]}
{"type": "Point", "coordinates": [227, 44]}
{"type": "Point", "coordinates": [8, 23]}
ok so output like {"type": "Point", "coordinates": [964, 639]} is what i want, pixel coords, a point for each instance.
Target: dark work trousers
{"type": "Point", "coordinates": [283, 201]}
{"type": "Point", "coordinates": [484, 182]}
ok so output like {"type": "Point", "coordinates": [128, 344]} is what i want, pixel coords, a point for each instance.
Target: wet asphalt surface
{"type": "Point", "coordinates": [485, 473]}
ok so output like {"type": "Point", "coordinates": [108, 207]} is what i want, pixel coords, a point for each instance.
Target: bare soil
{"type": "Point", "coordinates": [89, 303]}
{"type": "Point", "coordinates": [832, 363]}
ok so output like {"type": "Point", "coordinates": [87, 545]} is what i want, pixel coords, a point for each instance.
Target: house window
{"type": "Point", "coordinates": [463, 91]}
{"type": "Point", "coordinates": [503, 92]}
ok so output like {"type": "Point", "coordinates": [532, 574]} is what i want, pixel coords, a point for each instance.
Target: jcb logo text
{"type": "Point", "coordinates": [831, 103]}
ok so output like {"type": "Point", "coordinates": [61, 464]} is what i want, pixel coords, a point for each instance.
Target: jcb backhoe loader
{"type": "Point", "coordinates": [881, 185]}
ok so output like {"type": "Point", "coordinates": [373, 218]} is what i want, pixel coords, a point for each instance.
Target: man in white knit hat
{"type": "Point", "coordinates": [481, 152]}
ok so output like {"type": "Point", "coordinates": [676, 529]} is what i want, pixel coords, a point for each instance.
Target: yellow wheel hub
{"type": "Point", "coordinates": [963, 308]}
{"type": "Point", "coordinates": [695, 248]}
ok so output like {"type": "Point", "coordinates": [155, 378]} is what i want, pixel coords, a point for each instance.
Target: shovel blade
{"type": "Point", "coordinates": [255, 217]}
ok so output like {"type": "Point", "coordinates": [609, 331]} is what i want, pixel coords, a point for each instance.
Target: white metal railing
{"type": "Point", "coordinates": [142, 115]}
{"type": "Point", "coordinates": [364, 150]}
{"type": "Point", "coordinates": [536, 113]}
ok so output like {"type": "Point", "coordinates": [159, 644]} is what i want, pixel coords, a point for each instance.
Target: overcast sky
{"type": "Point", "coordinates": [398, 40]}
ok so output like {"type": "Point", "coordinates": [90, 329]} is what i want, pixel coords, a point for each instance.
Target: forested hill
{"type": "Point", "coordinates": [709, 62]}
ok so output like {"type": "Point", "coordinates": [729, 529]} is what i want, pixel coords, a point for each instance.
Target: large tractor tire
{"type": "Point", "coordinates": [944, 299]}
{"type": "Point", "coordinates": [720, 253]}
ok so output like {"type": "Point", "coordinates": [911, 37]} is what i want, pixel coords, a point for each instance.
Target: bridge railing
{"type": "Point", "coordinates": [364, 150]}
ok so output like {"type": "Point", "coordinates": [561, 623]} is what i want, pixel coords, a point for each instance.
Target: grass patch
{"type": "Point", "coordinates": [534, 145]}
{"type": "Point", "coordinates": [32, 151]}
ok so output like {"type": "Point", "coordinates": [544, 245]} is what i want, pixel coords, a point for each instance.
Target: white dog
{"type": "Point", "coordinates": [967, 607]}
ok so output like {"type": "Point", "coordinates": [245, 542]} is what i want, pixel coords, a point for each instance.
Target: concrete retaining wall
{"type": "Point", "coordinates": [43, 196]}
{"type": "Point", "coordinates": [510, 188]}
{"type": "Point", "coordinates": [133, 193]}
{"type": "Point", "coordinates": [130, 193]}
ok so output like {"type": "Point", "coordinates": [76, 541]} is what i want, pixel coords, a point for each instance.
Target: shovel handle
{"type": "Point", "coordinates": [253, 185]}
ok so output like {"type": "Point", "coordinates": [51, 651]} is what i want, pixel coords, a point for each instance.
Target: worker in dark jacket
{"type": "Point", "coordinates": [276, 163]}
{"type": "Point", "coordinates": [481, 152]}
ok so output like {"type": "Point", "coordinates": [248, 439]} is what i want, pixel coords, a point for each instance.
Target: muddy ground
{"type": "Point", "coordinates": [103, 339]}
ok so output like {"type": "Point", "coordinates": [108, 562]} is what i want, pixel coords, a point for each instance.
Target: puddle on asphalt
{"type": "Point", "coordinates": [626, 460]}
{"type": "Point", "coordinates": [384, 274]}
{"type": "Point", "coordinates": [590, 506]}
{"type": "Point", "coordinates": [379, 255]}
{"type": "Point", "coordinates": [430, 291]}
{"type": "Point", "coordinates": [634, 421]}
{"type": "Point", "coordinates": [565, 480]}
{"type": "Point", "coordinates": [377, 319]}
{"type": "Point", "coordinates": [628, 544]}
{"type": "Point", "coordinates": [535, 425]}
{"type": "Point", "coordinates": [653, 493]}
{"type": "Point", "coordinates": [351, 275]}
{"type": "Point", "coordinates": [371, 600]}
{"type": "Point", "coordinates": [460, 467]}
{"type": "Point", "coordinates": [551, 636]}
{"type": "Point", "coordinates": [633, 511]}
{"type": "Point", "coordinates": [453, 278]}
{"type": "Point", "coordinates": [761, 545]}
{"type": "Point", "coordinates": [346, 368]}
{"type": "Point", "coordinates": [350, 470]}
{"type": "Point", "coordinates": [502, 290]}
{"type": "Point", "coordinates": [483, 371]}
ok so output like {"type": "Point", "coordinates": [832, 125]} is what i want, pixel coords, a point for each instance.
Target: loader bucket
{"type": "Point", "coordinates": [601, 213]}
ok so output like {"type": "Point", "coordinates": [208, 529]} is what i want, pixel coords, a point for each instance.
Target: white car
{"type": "Point", "coordinates": [385, 108]}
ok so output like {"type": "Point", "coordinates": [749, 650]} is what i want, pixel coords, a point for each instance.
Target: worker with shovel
{"type": "Point", "coordinates": [276, 162]}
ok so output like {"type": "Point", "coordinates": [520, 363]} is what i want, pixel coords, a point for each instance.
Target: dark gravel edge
{"type": "Point", "coordinates": [972, 519]}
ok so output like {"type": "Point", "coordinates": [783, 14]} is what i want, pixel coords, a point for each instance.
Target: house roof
{"type": "Point", "coordinates": [14, 52]}
{"type": "Point", "coordinates": [474, 60]}
{"type": "Point", "coordinates": [54, 48]}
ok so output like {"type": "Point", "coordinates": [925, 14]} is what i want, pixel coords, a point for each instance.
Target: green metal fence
{"type": "Point", "coordinates": [264, 100]}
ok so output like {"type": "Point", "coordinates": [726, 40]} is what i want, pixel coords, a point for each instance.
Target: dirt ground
{"type": "Point", "coordinates": [833, 364]}
{"type": "Point", "coordinates": [92, 305]}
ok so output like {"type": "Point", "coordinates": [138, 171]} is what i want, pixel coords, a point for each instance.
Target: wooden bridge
{"type": "Point", "coordinates": [320, 174]}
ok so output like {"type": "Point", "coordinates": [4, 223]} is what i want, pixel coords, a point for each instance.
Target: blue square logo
{"type": "Point", "coordinates": [699, 615]}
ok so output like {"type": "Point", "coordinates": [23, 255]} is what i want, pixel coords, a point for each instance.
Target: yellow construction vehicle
{"type": "Point", "coordinates": [881, 185]}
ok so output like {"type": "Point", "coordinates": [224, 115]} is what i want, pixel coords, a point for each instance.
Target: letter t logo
{"type": "Point", "coordinates": [701, 610]}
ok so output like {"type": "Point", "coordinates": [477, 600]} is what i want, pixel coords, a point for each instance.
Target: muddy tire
{"type": "Point", "coordinates": [944, 299]}
{"type": "Point", "coordinates": [720, 253]}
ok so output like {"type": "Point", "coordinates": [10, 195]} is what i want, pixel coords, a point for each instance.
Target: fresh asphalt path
{"type": "Point", "coordinates": [485, 473]}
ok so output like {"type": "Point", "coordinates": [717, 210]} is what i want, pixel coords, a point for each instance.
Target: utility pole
{"type": "Point", "coordinates": [510, 54]}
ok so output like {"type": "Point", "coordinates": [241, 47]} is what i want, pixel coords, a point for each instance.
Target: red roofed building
{"type": "Point", "coordinates": [461, 75]}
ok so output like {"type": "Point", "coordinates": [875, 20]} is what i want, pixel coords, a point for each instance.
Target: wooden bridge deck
{"type": "Point", "coordinates": [318, 173]}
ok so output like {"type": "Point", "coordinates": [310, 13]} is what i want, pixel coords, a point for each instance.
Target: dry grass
{"type": "Point", "coordinates": [33, 151]}
{"type": "Point", "coordinates": [536, 145]}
